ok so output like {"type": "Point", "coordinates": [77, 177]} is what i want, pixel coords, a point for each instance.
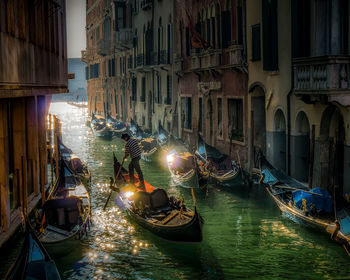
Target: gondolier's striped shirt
{"type": "Point", "coordinates": [132, 148]}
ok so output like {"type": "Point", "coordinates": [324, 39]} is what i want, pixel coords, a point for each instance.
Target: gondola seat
{"type": "Point", "coordinates": [143, 200]}
{"type": "Point", "coordinates": [160, 200]}
{"type": "Point", "coordinates": [62, 212]}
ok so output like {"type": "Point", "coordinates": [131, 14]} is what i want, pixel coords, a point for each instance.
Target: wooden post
{"type": "Point", "coordinates": [4, 170]}
{"type": "Point", "coordinates": [312, 155]}
{"type": "Point", "coordinates": [42, 135]}
{"type": "Point", "coordinates": [55, 136]}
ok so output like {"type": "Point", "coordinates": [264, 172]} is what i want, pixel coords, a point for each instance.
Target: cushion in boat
{"type": "Point", "coordinates": [159, 199]}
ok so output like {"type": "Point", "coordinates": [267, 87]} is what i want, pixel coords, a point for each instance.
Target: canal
{"type": "Point", "coordinates": [244, 235]}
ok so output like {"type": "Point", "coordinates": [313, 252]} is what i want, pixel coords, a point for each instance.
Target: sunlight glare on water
{"type": "Point", "coordinates": [244, 234]}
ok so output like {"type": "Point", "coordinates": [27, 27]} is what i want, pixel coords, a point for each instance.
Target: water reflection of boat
{"type": "Point", "coordinates": [311, 207]}
{"type": "Point", "coordinates": [33, 262]}
{"type": "Point", "coordinates": [66, 213]}
{"type": "Point", "coordinates": [154, 210]}
{"type": "Point", "coordinates": [217, 167]}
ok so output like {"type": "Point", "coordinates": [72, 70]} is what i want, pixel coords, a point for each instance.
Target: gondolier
{"type": "Point", "coordinates": [133, 150]}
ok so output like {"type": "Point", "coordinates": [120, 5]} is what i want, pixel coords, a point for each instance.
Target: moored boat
{"type": "Point", "coordinates": [116, 127]}
{"type": "Point", "coordinates": [75, 164]}
{"type": "Point", "coordinates": [217, 167]}
{"type": "Point", "coordinates": [166, 217]}
{"type": "Point", "coordinates": [33, 262]}
{"type": "Point", "coordinates": [137, 132]}
{"type": "Point", "coordinates": [99, 126]}
{"type": "Point", "coordinates": [183, 169]}
{"type": "Point", "coordinates": [66, 213]}
{"type": "Point", "coordinates": [150, 150]}
{"type": "Point", "coordinates": [310, 207]}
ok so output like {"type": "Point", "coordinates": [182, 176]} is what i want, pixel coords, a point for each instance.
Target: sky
{"type": "Point", "coordinates": [76, 21]}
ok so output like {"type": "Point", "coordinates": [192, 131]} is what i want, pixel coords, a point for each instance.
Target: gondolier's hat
{"type": "Point", "coordinates": [125, 136]}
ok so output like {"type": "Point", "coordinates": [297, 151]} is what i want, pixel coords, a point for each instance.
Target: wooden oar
{"type": "Point", "coordinates": [115, 180]}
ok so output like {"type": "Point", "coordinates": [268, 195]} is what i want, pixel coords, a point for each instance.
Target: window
{"type": "Point", "coordinates": [159, 89]}
{"type": "Point", "coordinates": [270, 48]}
{"type": "Point", "coordinates": [256, 42]}
{"type": "Point", "coordinates": [94, 70]}
{"type": "Point", "coordinates": [301, 27]}
{"type": "Point", "coordinates": [143, 90]}
{"type": "Point", "coordinates": [134, 89]}
{"type": "Point", "coordinates": [86, 72]}
{"type": "Point", "coordinates": [226, 26]}
{"type": "Point", "coordinates": [219, 100]}
{"type": "Point", "coordinates": [186, 109]}
{"type": "Point", "coordinates": [188, 42]}
{"type": "Point", "coordinates": [200, 117]}
{"type": "Point", "coordinates": [239, 22]}
{"type": "Point", "coordinates": [235, 119]}
{"type": "Point", "coordinates": [168, 90]}
{"type": "Point", "coordinates": [120, 16]}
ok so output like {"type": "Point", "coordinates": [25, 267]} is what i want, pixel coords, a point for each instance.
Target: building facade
{"type": "Point", "coordinates": [298, 62]}
{"type": "Point", "coordinates": [129, 57]}
{"type": "Point", "coordinates": [107, 54]}
{"type": "Point", "coordinates": [212, 75]}
{"type": "Point", "coordinates": [33, 66]}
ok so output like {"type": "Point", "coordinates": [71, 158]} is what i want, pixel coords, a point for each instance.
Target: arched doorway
{"type": "Point", "coordinates": [259, 122]}
{"type": "Point", "coordinates": [300, 154]}
{"type": "Point", "coordinates": [279, 141]}
{"type": "Point", "coordinates": [332, 141]}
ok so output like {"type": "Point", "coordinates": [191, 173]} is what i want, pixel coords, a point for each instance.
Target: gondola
{"type": "Point", "coordinates": [166, 217]}
{"type": "Point", "coordinates": [99, 126]}
{"type": "Point", "coordinates": [217, 167]}
{"type": "Point", "coordinates": [75, 164]}
{"type": "Point", "coordinates": [137, 132]}
{"type": "Point", "coordinates": [150, 149]}
{"type": "Point", "coordinates": [116, 127]}
{"type": "Point", "coordinates": [183, 169]}
{"type": "Point", "coordinates": [33, 262]}
{"type": "Point", "coordinates": [163, 136]}
{"type": "Point", "coordinates": [312, 208]}
{"type": "Point", "coordinates": [66, 213]}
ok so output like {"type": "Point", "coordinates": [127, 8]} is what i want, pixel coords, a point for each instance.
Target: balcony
{"type": "Point", "coordinates": [103, 47]}
{"type": "Point", "coordinates": [86, 55]}
{"type": "Point", "coordinates": [123, 39]}
{"type": "Point", "coordinates": [146, 4]}
{"type": "Point", "coordinates": [178, 64]}
{"type": "Point", "coordinates": [322, 75]}
{"type": "Point", "coordinates": [210, 59]}
{"type": "Point", "coordinates": [236, 55]}
{"type": "Point", "coordinates": [196, 61]}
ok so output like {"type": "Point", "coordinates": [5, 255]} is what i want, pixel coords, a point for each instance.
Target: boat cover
{"type": "Point", "coordinates": [344, 221]}
{"type": "Point", "coordinates": [322, 202]}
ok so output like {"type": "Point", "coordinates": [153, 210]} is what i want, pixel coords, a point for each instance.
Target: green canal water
{"type": "Point", "coordinates": [244, 235]}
